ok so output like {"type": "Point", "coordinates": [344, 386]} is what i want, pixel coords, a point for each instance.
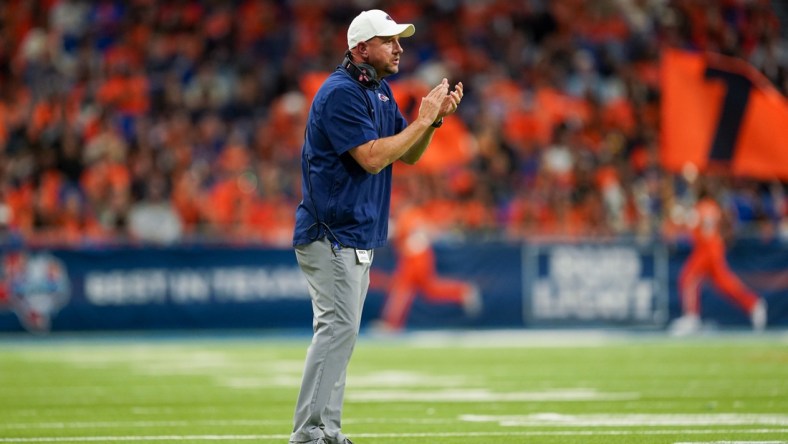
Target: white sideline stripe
{"type": "Point", "coordinates": [731, 442]}
{"type": "Point", "coordinates": [214, 423]}
{"type": "Point", "coordinates": [624, 420]}
{"type": "Point", "coordinates": [146, 438]}
{"type": "Point", "coordinates": [534, 420]}
{"type": "Point", "coordinates": [514, 338]}
{"type": "Point", "coordinates": [484, 395]}
{"type": "Point", "coordinates": [391, 379]}
{"type": "Point", "coordinates": [138, 424]}
{"type": "Point", "coordinates": [57, 439]}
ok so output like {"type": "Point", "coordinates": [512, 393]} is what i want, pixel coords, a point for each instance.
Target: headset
{"type": "Point", "coordinates": [362, 73]}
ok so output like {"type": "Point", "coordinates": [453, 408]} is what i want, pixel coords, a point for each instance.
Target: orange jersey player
{"type": "Point", "coordinates": [707, 260]}
{"type": "Point", "coordinates": [415, 273]}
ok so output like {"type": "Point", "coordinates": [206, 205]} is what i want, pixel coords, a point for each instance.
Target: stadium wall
{"type": "Point", "coordinates": [546, 285]}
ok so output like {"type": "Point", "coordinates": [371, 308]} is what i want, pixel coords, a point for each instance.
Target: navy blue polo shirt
{"type": "Point", "coordinates": [340, 199]}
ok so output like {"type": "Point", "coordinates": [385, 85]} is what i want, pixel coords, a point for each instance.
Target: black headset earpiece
{"type": "Point", "coordinates": [361, 72]}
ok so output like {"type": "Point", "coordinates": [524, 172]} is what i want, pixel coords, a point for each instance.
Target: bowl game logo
{"type": "Point", "coordinates": [35, 286]}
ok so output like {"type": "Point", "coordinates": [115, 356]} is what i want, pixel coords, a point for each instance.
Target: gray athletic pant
{"type": "Point", "coordinates": [338, 285]}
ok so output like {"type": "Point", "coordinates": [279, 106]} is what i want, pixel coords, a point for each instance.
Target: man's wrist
{"type": "Point", "coordinates": [437, 123]}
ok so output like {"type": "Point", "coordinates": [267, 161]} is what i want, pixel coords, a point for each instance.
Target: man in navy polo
{"type": "Point", "coordinates": [354, 133]}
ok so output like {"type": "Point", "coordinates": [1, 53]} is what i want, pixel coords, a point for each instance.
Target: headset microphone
{"type": "Point", "coordinates": [362, 73]}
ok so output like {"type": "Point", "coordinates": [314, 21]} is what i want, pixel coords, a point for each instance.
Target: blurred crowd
{"type": "Point", "coordinates": [179, 120]}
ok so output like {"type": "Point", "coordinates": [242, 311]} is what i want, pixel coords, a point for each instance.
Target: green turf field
{"type": "Point", "coordinates": [460, 388]}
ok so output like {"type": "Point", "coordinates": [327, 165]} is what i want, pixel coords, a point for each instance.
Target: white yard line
{"type": "Point", "coordinates": [145, 438]}
{"type": "Point", "coordinates": [484, 395]}
{"type": "Point", "coordinates": [517, 338]}
{"type": "Point", "coordinates": [54, 425]}
{"type": "Point", "coordinates": [58, 439]}
{"type": "Point", "coordinates": [533, 420]}
{"type": "Point", "coordinates": [732, 442]}
{"type": "Point", "coordinates": [285, 423]}
{"type": "Point", "coordinates": [627, 420]}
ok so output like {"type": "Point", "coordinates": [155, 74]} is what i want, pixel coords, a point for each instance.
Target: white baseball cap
{"type": "Point", "coordinates": [375, 23]}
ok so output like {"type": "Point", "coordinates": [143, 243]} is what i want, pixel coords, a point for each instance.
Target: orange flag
{"type": "Point", "coordinates": [717, 110]}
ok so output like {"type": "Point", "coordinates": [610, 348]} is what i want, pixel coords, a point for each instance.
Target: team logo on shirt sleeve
{"type": "Point", "coordinates": [383, 97]}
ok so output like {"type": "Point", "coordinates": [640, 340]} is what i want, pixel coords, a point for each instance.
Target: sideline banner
{"type": "Point", "coordinates": [521, 285]}
{"type": "Point", "coordinates": [152, 288]}
{"type": "Point", "coordinates": [595, 284]}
